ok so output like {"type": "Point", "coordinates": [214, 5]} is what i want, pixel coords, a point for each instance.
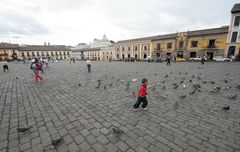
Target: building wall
{"type": "Point", "coordinates": [230, 44]}
{"type": "Point", "coordinates": [9, 54]}
{"type": "Point", "coordinates": [46, 54]}
{"type": "Point", "coordinates": [107, 53]}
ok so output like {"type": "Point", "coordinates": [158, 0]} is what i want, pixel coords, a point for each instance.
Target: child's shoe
{"type": "Point", "coordinates": [144, 108]}
{"type": "Point", "coordinates": [135, 109]}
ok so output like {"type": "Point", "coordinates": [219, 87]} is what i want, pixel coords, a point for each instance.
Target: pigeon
{"type": "Point", "coordinates": [166, 75]}
{"type": "Point", "coordinates": [197, 86]}
{"type": "Point", "coordinates": [228, 88]}
{"type": "Point", "coordinates": [110, 84]}
{"type": "Point", "coordinates": [190, 81]}
{"type": "Point", "coordinates": [79, 85]}
{"type": "Point", "coordinates": [226, 81]}
{"type": "Point", "coordinates": [24, 129]}
{"type": "Point", "coordinates": [118, 79]}
{"type": "Point", "coordinates": [181, 82]}
{"type": "Point", "coordinates": [163, 81]}
{"type": "Point", "coordinates": [204, 82]}
{"type": "Point", "coordinates": [175, 86]}
{"type": "Point", "coordinates": [105, 87]}
{"type": "Point", "coordinates": [127, 85]}
{"type": "Point", "coordinates": [226, 108]}
{"type": "Point", "coordinates": [186, 73]}
{"type": "Point", "coordinates": [232, 96]}
{"type": "Point", "coordinates": [217, 88]}
{"type": "Point", "coordinates": [97, 87]}
{"type": "Point", "coordinates": [212, 82]}
{"type": "Point", "coordinates": [175, 105]}
{"type": "Point", "coordinates": [193, 92]}
{"type": "Point", "coordinates": [183, 96]}
{"type": "Point", "coordinates": [117, 131]}
{"type": "Point", "coordinates": [164, 87]}
{"type": "Point", "coordinates": [56, 142]}
{"type": "Point", "coordinates": [193, 76]}
{"type": "Point", "coordinates": [231, 78]}
{"type": "Point", "coordinates": [199, 78]}
{"type": "Point", "coordinates": [153, 88]}
{"type": "Point", "coordinates": [16, 77]}
{"type": "Point", "coordinates": [155, 74]}
{"type": "Point", "coordinates": [163, 96]}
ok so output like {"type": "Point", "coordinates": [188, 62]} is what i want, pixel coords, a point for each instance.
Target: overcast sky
{"type": "Point", "coordinates": [70, 22]}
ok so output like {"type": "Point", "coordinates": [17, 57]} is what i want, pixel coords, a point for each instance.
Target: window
{"type": "Point", "coordinates": [60, 53]}
{"type": "Point", "coordinates": [158, 46]}
{"type": "Point", "coordinates": [51, 53]}
{"type": "Point", "coordinates": [117, 49]}
{"type": "Point", "coordinates": [194, 44]}
{"type": "Point", "coordinates": [145, 47]}
{"type": "Point", "coordinates": [237, 21]}
{"type": "Point", "coordinates": [123, 49]}
{"type": "Point", "coordinates": [23, 54]}
{"type": "Point", "coordinates": [56, 53]}
{"type": "Point", "coordinates": [33, 54]}
{"type": "Point", "coordinates": [28, 54]}
{"type": "Point", "coordinates": [129, 49]}
{"type": "Point", "coordinates": [234, 37]}
{"type": "Point", "coordinates": [37, 53]}
{"type": "Point", "coordinates": [169, 45]}
{"type": "Point", "coordinates": [136, 48]}
{"type": "Point", "coordinates": [68, 53]}
{"type": "Point", "coordinates": [64, 53]}
{"type": "Point", "coordinates": [180, 44]}
{"type": "Point", "coordinates": [42, 54]}
{"type": "Point", "coordinates": [211, 44]}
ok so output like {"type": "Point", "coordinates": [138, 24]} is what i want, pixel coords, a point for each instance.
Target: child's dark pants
{"type": "Point", "coordinates": [5, 67]}
{"type": "Point", "coordinates": [140, 100]}
{"type": "Point", "coordinates": [89, 67]}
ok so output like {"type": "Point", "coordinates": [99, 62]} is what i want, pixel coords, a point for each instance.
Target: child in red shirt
{"type": "Point", "coordinates": [142, 96]}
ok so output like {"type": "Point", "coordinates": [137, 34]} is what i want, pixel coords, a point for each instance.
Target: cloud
{"type": "Point", "coordinates": [12, 22]}
{"type": "Point", "coordinates": [73, 21]}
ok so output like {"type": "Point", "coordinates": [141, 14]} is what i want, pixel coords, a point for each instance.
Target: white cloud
{"type": "Point", "coordinates": [73, 21]}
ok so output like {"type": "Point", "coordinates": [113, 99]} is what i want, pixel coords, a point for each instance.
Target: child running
{"type": "Point", "coordinates": [142, 96]}
{"type": "Point", "coordinates": [36, 67]}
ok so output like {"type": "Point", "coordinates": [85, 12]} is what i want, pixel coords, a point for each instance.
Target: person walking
{"type": "Point", "coordinates": [36, 67]}
{"type": "Point", "coordinates": [5, 66]}
{"type": "Point", "coordinates": [88, 65]}
{"type": "Point", "coordinates": [168, 60]}
{"type": "Point", "coordinates": [142, 96]}
{"type": "Point", "coordinates": [203, 59]}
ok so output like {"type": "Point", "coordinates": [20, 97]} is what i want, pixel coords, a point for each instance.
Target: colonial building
{"type": "Point", "coordinates": [107, 53]}
{"type": "Point", "coordinates": [58, 52]}
{"type": "Point", "coordinates": [95, 50]}
{"type": "Point", "coordinates": [8, 51]}
{"type": "Point", "coordinates": [209, 42]}
{"type": "Point", "coordinates": [233, 39]}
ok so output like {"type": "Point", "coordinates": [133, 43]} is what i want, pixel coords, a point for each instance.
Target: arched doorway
{"type": "Point", "coordinates": [144, 56]}
{"type": "Point", "coordinates": [123, 56]}
{"type": "Point", "coordinates": [157, 54]}
{"type": "Point", "coordinates": [231, 51]}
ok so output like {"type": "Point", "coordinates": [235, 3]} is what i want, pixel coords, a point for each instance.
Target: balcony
{"type": "Point", "coordinates": [211, 46]}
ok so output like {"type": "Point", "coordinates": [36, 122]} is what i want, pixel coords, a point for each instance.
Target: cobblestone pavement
{"type": "Point", "coordinates": [85, 115]}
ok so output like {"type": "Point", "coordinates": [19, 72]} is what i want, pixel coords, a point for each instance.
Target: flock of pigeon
{"type": "Point", "coordinates": [182, 79]}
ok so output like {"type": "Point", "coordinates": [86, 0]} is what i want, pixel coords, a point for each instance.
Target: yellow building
{"type": "Point", "coordinates": [8, 51]}
{"type": "Point", "coordinates": [208, 42]}
{"type": "Point", "coordinates": [107, 53]}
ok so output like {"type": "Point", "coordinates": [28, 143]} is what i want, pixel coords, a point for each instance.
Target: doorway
{"type": "Point", "coordinates": [231, 51]}
{"type": "Point", "coordinates": [123, 56]}
{"type": "Point", "coordinates": [193, 54]}
{"type": "Point", "coordinates": [210, 55]}
{"type": "Point", "coordinates": [144, 56]}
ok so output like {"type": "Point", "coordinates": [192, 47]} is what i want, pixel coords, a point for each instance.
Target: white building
{"type": "Point", "coordinates": [233, 40]}
{"type": "Point", "coordinates": [98, 43]}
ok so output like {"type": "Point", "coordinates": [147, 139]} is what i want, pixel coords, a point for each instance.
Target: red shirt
{"type": "Point", "coordinates": [142, 91]}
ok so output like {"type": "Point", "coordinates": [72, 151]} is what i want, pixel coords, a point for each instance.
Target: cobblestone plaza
{"type": "Point", "coordinates": [68, 104]}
